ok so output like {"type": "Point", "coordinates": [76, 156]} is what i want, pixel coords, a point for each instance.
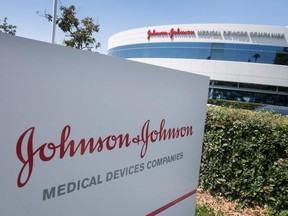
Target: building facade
{"type": "Point", "coordinates": [244, 62]}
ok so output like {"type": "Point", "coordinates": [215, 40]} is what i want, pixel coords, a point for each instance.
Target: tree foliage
{"type": "Point", "coordinates": [6, 28]}
{"type": "Point", "coordinates": [78, 33]}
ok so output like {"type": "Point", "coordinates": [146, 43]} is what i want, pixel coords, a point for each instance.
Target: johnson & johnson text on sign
{"type": "Point", "coordinates": [68, 147]}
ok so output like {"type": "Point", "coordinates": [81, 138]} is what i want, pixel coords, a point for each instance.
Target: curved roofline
{"type": "Point", "coordinates": [202, 24]}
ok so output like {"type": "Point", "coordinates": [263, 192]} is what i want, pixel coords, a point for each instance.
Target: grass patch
{"type": "Point", "coordinates": [208, 205]}
{"type": "Point", "coordinates": [205, 210]}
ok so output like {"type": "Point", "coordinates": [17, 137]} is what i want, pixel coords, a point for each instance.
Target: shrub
{"type": "Point", "coordinates": [245, 157]}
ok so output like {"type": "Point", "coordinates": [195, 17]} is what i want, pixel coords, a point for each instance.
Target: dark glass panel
{"type": "Point", "coordinates": [281, 59]}
{"type": "Point", "coordinates": [223, 83]}
{"type": "Point", "coordinates": [257, 86]}
{"type": "Point", "coordinates": [283, 89]}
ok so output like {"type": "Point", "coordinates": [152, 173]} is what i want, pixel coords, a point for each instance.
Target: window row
{"type": "Point", "coordinates": [280, 89]}
{"type": "Point", "coordinates": [209, 51]}
{"type": "Point", "coordinates": [257, 97]}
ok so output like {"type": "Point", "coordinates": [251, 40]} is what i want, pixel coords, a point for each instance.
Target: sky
{"type": "Point", "coordinates": [115, 16]}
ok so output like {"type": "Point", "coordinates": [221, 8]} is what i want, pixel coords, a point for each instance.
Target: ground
{"type": "Point", "coordinates": [220, 206]}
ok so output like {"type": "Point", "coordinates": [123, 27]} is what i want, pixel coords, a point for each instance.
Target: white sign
{"type": "Point", "coordinates": [88, 134]}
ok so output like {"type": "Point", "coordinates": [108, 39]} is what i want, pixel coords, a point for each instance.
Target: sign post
{"type": "Point", "coordinates": [54, 18]}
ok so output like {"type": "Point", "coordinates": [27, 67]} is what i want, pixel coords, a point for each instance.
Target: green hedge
{"type": "Point", "coordinates": [234, 104]}
{"type": "Point", "coordinates": [245, 157]}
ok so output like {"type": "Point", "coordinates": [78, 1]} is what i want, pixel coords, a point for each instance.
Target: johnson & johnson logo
{"type": "Point", "coordinates": [171, 33]}
{"type": "Point", "coordinates": [68, 147]}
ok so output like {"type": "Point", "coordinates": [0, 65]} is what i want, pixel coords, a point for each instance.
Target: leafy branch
{"type": "Point", "coordinates": [78, 33]}
{"type": "Point", "coordinates": [6, 28]}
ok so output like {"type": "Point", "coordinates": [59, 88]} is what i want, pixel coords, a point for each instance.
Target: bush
{"type": "Point", "coordinates": [234, 104]}
{"type": "Point", "coordinates": [245, 157]}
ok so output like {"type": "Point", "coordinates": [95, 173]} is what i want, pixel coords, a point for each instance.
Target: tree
{"type": "Point", "coordinates": [256, 56]}
{"type": "Point", "coordinates": [8, 29]}
{"type": "Point", "coordinates": [79, 33]}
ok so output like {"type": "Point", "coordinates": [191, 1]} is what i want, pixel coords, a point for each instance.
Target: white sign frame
{"type": "Point", "coordinates": [138, 128]}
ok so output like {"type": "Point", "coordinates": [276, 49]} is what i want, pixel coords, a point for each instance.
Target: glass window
{"type": "Point", "coordinates": [257, 86]}
{"type": "Point", "coordinates": [283, 89]}
{"type": "Point", "coordinates": [229, 55]}
{"type": "Point", "coordinates": [203, 53]}
{"type": "Point", "coordinates": [280, 59]}
{"type": "Point", "coordinates": [242, 56]}
{"type": "Point", "coordinates": [213, 51]}
{"type": "Point", "coordinates": [217, 54]}
{"type": "Point", "coordinates": [223, 83]}
{"type": "Point", "coordinates": [247, 96]}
